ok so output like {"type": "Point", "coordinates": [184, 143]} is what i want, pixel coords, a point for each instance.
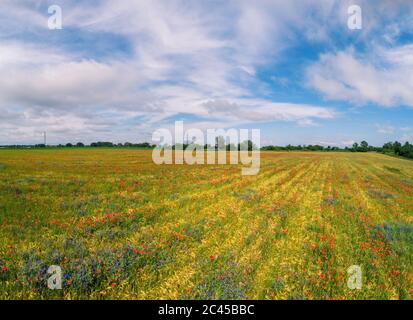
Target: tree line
{"type": "Point", "coordinates": [391, 148]}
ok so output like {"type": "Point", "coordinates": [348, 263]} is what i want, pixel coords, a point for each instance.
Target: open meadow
{"type": "Point", "coordinates": [121, 227]}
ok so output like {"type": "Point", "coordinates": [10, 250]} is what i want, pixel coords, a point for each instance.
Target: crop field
{"type": "Point", "coordinates": [121, 227]}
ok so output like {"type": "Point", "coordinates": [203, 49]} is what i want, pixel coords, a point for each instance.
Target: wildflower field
{"type": "Point", "coordinates": [121, 227]}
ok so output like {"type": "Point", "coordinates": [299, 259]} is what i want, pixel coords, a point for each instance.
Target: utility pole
{"type": "Point", "coordinates": [44, 138]}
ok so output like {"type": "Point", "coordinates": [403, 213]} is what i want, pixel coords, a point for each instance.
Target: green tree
{"type": "Point", "coordinates": [364, 146]}
{"type": "Point", "coordinates": [355, 146]}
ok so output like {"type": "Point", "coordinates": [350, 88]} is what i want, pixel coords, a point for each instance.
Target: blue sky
{"type": "Point", "coordinates": [121, 70]}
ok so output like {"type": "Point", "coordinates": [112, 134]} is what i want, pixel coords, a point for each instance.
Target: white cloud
{"type": "Point", "coordinates": [256, 110]}
{"type": "Point", "coordinates": [187, 57]}
{"type": "Point", "coordinates": [385, 129]}
{"type": "Point", "coordinates": [407, 137]}
{"type": "Point", "coordinates": [184, 55]}
{"type": "Point", "coordinates": [344, 76]}
{"type": "Point", "coordinates": [343, 143]}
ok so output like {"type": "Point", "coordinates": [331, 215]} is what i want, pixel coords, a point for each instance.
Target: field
{"type": "Point", "coordinates": [121, 227]}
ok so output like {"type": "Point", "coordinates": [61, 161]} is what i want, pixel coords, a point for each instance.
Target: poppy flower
{"type": "Point", "coordinates": [211, 258]}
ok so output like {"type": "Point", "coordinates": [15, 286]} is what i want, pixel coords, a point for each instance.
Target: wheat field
{"type": "Point", "coordinates": [121, 227]}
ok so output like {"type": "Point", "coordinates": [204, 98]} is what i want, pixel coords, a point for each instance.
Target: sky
{"type": "Point", "coordinates": [119, 70]}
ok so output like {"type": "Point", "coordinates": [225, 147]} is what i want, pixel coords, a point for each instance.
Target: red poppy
{"type": "Point", "coordinates": [211, 258]}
